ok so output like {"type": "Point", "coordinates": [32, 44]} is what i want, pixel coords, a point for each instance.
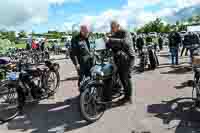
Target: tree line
{"type": "Point", "coordinates": [159, 26]}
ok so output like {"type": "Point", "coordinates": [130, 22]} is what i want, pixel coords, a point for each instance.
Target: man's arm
{"type": "Point", "coordinates": [73, 52]}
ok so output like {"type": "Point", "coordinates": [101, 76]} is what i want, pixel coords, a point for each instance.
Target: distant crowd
{"type": "Point", "coordinates": [173, 40]}
{"type": "Point", "coordinates": [33, 44]}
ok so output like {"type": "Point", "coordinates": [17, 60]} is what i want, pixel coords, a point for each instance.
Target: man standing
{"type": "Point", "coordinates": [33, 44]}
{"type": "Point", "coordinates": [174, 41]}
{"type": "Point", "coordinates": [186, 43]}
{"type": "Point", "coordinates": [80, 53]}
{"type": "Point", "coordinates": [67, 46]}
{"type": "Point", "coordinates": [134, 41]}
{"type": "Point", "coordinates": [160, 42]}
{"type": "Point", "coordinates": [28, 43]}
{"type": "Point", "coordinates": [139, 44]}
{"type": "Point", "coordinates": [121, 44]}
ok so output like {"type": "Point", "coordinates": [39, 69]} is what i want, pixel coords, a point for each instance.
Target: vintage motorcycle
{"type": "Point", "coordinates": [148, 58]}
{"type": "Point", "coordinates": [28, 85]}
{"type": "Point", "coordinates": [92, 106]}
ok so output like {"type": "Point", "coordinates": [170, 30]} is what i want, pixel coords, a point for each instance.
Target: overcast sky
{"type": "Point", "coordinates": [41, 15]}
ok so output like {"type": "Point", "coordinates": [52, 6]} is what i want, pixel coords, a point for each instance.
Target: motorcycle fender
{"type": "Point", "coordinates": [90, 83]}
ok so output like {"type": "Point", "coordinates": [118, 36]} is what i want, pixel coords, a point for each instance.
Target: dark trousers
{"type": "Point", "coordinates": [161, 46]}
{"type": "Point", "coordinates": [124, 65]}
{"type": "Point", "coordinates": [191, 55]}
{"type": "Point", "coordinates": [85, 70]}
{"type": "Point", "coordinates": [174, 55]}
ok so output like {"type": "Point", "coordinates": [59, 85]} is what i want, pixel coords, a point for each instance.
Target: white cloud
{"type": "Point", "coordinates": [60, 2]}
{"type": "Point", "coordinates": [186, 3]}
{"type": "Point", "coordinates": [134, 13]}
{"type": "Point", "coordinates": [23, 14]}
{"type": "Point", "coordinates": [142, 3]}
{"type": "Point", "coordinates": [16, 13]}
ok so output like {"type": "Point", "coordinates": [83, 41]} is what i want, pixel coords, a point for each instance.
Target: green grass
{"type": "Point", "coordinates": [21, 45]}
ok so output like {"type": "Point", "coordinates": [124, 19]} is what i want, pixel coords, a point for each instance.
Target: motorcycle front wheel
{"type": "Point", "coordinates": [90, 109]}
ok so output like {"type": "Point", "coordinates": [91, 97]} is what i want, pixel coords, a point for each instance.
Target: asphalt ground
{"type": "Point", "coordinates": [147, 113]}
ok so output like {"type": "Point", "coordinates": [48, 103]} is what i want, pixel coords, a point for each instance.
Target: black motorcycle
{"type": "Point", "coordinates": [29, 85]}
{"type": "Point", "coordinates": [91, 98]}
{"type": "Point", "coordinates": [148, 58]}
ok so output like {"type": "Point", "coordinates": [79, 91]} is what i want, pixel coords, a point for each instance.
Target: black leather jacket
{"type": "Point", "coordinates": [80, 50]}
{"type": "Point", "coordinates": [122, 41]}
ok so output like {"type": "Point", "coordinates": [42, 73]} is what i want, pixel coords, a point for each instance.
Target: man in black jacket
{"type": "Point", "coordinates": [174, 41]}
{"type": "Point", "coordinates": [121, 44]}
{"type": "Point", "coordinates": [80, 53]}
{"type": "Point", "coordinates": [160, 42]}
{"type": "Point", "coordinates": [134, 41]}
{"type": "Point", "coordinates": [140, 44]}
{"type": "Point", "coordinates": [186, 43]}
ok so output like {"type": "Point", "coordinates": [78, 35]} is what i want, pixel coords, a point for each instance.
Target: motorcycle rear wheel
{"type": "Point", "coordinates": [10, 108]}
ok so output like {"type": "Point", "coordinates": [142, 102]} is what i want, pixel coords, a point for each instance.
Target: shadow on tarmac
{"type": "Point", "coordinates": [180, 109]}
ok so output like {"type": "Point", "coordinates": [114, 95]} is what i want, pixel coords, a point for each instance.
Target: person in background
{"type": "Point", "coordinates": [67, 46]}
{"type": "Point", "coordinates": [174, 42]}
{"type": "Point", "coordinates": [28, 43]}
{"type": "Point", "coordinates": [160, 42]}
{"type": "Point", "coordinates": [42, 45]}
{"type": "Point", "coordinates": [134, 41]}
{"type": "Point", "coordinates": [55, 47]}
{"type": "Point", "coordinates": [140, 44]}
{"type": "Point", "coordinates": [34, 45]}
{"type": "Point", "coordinates": [186, 43]}
{"type": "Point", "coordinates": [194, 41]}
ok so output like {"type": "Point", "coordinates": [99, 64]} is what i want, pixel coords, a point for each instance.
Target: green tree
{"type": "Point", "coordinates": [11, 36]}
{"type": "Point", "coordinates": [154, 26]}
{"type": "Point", "coordinates": [22, 34]}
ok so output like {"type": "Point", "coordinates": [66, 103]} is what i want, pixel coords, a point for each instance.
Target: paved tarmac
{"type": "Point", "coordinates": [147, 113]}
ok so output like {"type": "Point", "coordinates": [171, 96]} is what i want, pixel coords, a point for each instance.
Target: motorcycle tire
{"type": "Point", "coordinates": [157, 61]}
{"type": "Point", "coordinates": [10, 110]}
{"type": "Point", "coordinates": [152, 60]}
{"type": "Point", "coordinates": [86, 99]}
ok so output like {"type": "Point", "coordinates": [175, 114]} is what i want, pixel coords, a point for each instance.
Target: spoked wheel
{"type": "Point", "coordinates": [7, 93]}
{"type": "Point", "coordinates": [196, 91]}
{"type": "Point", "coordinates": [35, 60]}
{"type": "Point", "coordinates": [9, 103]}
{"type": "Point", "coordinates": [52, 81]}
{"type": "Point", "coordinates": [91, 110]}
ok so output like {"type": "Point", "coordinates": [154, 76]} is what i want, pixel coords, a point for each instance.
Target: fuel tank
{"type": "Point", "coordinates": [103, 71]}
